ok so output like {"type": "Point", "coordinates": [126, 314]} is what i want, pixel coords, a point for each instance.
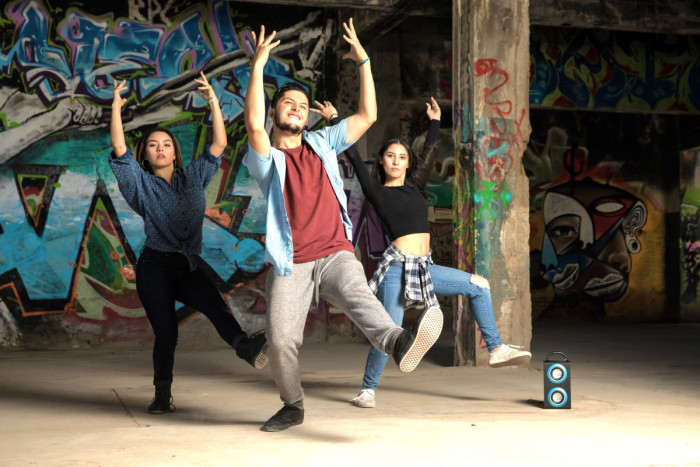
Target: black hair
{"type": "Point", "coordinates": [141, 148]}
{"type": "Point", "coordinates": [378, 170]}
{"type": "Point", "coordinates": [289, 86]}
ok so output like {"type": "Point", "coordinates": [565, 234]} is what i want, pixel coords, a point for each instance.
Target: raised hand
{"type": "Point", "coordinates": [118, 100]}
{"type": "Point", "coordinates": [433, 109]}
{"type": "Point", "coordinates": [205, 88]}
{"type": "Point", "coordinates": [325, 110]}
{"type": "Point", "coordinates": [357, 52]}
{"type": "Point", "coordinates": [263, 45]}
{"type": "Point", "coordinates": [116, 131]}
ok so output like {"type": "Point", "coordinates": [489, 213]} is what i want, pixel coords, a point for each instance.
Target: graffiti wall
{"type": "Point", "coordinates": [602, 184]}
{"type": "Point", "coordinates": [68, 240]}
{"type": "Point", "coordinates": [690, 235]}
{"type": "Point", "coordinates": [603, 70]}
{"type": "Point", "coordinates": [599, 204]}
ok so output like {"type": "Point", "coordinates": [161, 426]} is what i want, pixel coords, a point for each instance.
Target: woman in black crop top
{"type": "Point", "coordinates": [406, 270]}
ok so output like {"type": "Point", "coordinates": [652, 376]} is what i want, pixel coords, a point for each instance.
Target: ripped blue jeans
{"type": "Point", "coordinates": [447, 282]}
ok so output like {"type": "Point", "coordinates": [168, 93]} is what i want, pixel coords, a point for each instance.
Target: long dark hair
{"type": "Point", "coordinates": [378, 169]}
{"type": "Point", "coordinates": [141, 149]}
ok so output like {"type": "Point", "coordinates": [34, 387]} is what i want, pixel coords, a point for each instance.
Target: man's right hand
{"type": "Point", "coordinates": [263, 45]}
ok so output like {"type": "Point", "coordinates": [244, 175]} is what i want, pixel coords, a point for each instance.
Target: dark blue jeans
{"type": "Point", "coordinates": [163, 278]}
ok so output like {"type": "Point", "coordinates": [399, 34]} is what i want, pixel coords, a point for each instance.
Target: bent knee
{"type": "Point", "coordinates": [480, 281]}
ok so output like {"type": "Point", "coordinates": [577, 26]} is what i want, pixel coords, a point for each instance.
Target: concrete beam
{"type": "Point", "coordinates": [431, 8]}
{"type": "Point", "coordinates": [652, 16]}
{"type": "Point", "coordinates": [490, 201]}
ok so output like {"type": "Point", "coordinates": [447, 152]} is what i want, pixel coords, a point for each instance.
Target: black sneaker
{"type": "Point", "coordinates": [163, 402]}
{"type": "Point", "coordinates": [286, 417]}
{"type": "Point", "coordinates": [412, 345]}
{"type": "Point", "coordinates": [253, 350]}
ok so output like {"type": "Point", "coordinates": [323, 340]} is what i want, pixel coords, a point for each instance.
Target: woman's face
{"type": "Point", "coordinates": [395, 162]}
{"type": "Point", "coordinates": [160, 150]}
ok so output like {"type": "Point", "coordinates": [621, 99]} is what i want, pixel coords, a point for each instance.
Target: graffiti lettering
{"type": "Point", "coordinates": [503, 140]}
{"type": "Point", "coordinates": [68, 248]}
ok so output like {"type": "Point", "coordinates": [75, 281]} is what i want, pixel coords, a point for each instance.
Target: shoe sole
{"type": "Point", "coordinates": [365, 405]}
{"type": "Point", "coordinates": [277, 428]}
{"type": "Point", "coordinates": [160, 412]}
{"type": "Point", "coordinates": [261, 360]}
{"type": "Point", "coordinates": [512, 362]}
{"type": "Point", "coordinates": [429, 330]}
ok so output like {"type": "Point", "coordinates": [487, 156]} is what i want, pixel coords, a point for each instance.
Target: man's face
{"type": "Point", "coordinates": [292, 112]}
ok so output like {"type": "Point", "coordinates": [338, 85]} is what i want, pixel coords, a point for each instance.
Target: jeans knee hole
{"type": "Point", "coordinates": [480, 282]}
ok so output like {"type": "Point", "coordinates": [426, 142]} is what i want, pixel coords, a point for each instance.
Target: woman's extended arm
{"type": "Point", "coordinates": [218, 144]}
{"type": "Point", "coordinates": [371, 188]}
{"type": "Point", "coordinates": [116, 129]}
{"type": "Point", "coordinates": [426, 159]}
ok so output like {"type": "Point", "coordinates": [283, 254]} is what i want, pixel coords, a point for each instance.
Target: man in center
{"type": "Point", "coordinates": [308, 229]}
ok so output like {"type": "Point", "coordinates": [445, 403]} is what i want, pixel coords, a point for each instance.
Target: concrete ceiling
{"type": "Point", "coordinates": [652, 16]}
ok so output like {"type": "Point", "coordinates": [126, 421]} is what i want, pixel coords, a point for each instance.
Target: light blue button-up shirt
{"type": "Point", "coordinates": [270, 173]}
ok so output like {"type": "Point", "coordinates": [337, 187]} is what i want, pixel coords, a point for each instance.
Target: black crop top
{"type": "Point", "coordinates": [402, 209]}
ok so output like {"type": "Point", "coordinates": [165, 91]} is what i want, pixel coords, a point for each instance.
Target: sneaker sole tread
{"type": "Point", "coordinates": [428, 332]}
{"type": "Point", "coordinates": [261, 361]}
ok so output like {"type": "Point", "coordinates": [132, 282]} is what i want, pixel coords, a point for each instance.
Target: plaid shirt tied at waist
{"type": "Point", "coordinates": [419, 285]}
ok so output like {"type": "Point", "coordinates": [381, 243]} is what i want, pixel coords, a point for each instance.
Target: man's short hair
{"type": "Point", "coordinates": [289, 86]}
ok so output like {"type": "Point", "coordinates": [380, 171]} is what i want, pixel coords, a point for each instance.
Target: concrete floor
{"type": "Point", "coordinates": [636, 402]}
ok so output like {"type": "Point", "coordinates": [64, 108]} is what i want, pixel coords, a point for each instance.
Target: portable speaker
{"type": "Point", "coordinates": [557, 382]}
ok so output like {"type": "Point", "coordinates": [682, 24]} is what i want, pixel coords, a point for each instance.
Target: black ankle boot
{"type": "Point", "coordinates": [253, 350]}
{"type": "Point", "coordinates": [163, 402]}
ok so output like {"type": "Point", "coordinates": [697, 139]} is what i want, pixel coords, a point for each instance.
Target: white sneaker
{"type": "Point", "coordinates": [508, 355]}
{"type": "Point", "coordinates": [364, 399]}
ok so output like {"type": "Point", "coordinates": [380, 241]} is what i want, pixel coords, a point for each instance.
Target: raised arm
{"type": "Point", "coordinates": [254, 109]}
{"type": "Point", "coordinates": [366, 114]}
{"type": "Point", "coordinates": [116, 128]}
{"type": "Point", "coordinates": [218, 144]}
{"type": "Point", "coordinates": [371, 188]}
{"type": "Point", "coordinates": [426, 159]}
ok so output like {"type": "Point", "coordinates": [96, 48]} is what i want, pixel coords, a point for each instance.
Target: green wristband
{"type": "Point", "coordinates": [361, 62]}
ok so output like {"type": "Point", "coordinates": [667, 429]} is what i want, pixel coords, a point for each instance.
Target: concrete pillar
{"type": "Point", "coordinates": [491, 63]}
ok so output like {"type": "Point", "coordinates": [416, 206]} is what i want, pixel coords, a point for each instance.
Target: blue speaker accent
{"type": "Point", "coordinates": [557, 398]}
{"type": "Point", "coordinates": [557, 373]}
{"type": "Point", "coordinates": [557, 382]}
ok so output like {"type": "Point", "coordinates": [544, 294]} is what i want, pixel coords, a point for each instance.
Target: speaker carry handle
{"type": "Point", "coordinates": [566, 359]}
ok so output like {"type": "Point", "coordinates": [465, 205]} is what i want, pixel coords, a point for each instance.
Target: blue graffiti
{"type": "Point", "coordinates": [148, 56]}
{"type": "Point", "coordinates": [78, 56]}
{"type": "Point", "coordinates": [595, 69]}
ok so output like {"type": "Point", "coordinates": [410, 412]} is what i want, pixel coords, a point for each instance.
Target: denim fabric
{"type": "Point", "coordinates": [270, 174]}
{"type": "Point", "coordinates": [447, 282]}
{"type": "Point", "coordinates": [172, 214]}
{"type": "Point", "coordinates": [163, 278]}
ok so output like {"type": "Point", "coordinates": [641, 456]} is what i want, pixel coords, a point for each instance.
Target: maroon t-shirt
{"type": "Point", "coordinates": [312, 207]}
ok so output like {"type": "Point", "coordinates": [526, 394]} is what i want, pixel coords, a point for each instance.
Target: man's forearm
{"type": "Point", "coordinates": [368, 97]}
{"type": "Point", "coordinates": [366, 114]}
{"type": "Point", "coordinates": [254, 111]}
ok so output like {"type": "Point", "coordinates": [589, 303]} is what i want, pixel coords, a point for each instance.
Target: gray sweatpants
{"type": "Point", "coordinates": [341, 280]}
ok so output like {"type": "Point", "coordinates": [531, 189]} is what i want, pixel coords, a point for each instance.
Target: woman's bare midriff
{"type": "Point", "coordinates": [417, 244]}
